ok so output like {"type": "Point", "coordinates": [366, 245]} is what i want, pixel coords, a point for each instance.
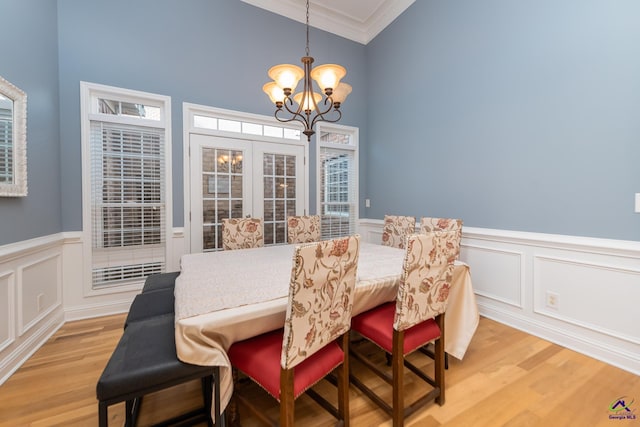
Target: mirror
{"type": "Point", "coordinates": [13, 140]}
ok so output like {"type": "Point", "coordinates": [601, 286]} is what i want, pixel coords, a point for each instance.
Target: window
{"type": "Point", "coordinates": [338, 183]}
{"type": "Point", "coordinates": [126, 199]}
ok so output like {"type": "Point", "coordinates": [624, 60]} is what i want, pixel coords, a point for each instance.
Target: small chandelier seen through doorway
{"type": "Point", "coordinates": [311, 106]}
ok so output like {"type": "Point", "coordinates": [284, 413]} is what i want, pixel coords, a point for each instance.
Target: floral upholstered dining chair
{"type": "Point", "coordinates": [315, 337]}
{"type": "Point", "coordinates": [396, 229]}
{"type": "Point", "coordinates": [415, 319]}
{"type": "Point", "coordinates": [242, 233]}
{"type": "Point", "coordinates": [303, 229]}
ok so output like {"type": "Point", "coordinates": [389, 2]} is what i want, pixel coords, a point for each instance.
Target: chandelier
{"type": "Point", "coordinates": [307, 106]}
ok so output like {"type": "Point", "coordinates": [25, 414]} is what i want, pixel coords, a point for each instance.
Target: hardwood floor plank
{"type": "Point", "coordinates": [507, 378]}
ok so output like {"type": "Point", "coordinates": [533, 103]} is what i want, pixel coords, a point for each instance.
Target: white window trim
{"type": "Point", "coordinates": [354, 132]}
{"type": "Point", "coordinates": [189, 110]}
{"type": "Point", "coordinates": [89, 92]}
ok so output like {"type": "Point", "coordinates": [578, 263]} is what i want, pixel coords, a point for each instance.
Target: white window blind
{"type": "Point", "coordinates": [6, 145]}
{"type": "Point", "coordinates": [128, 206]}
{"type": "Point", "coordinates": [338, 188]}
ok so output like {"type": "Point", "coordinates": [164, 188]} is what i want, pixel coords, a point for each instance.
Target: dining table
{"type": "Point", "coordinates": [228, 296]}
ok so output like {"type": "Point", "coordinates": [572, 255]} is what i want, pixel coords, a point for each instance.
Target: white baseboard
{"type": "Point", "coordinates": [90, 311]}
{"type": "Point", "coordinates": [15, 358]}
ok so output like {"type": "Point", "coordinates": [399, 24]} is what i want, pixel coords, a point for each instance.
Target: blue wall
{"type": "Point", "coordinates": [207, 52]}
{"type": "Point", "coordinates": [28, 59]}
{"type": "Point", "coordinates": [510, 115]}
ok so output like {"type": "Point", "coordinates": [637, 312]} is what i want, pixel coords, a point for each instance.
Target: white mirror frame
{"type": "Point", "coordinates": [19, 186]}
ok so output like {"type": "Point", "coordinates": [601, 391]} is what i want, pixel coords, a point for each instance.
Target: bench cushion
{"type": "Point", "coordinates": [151, 304]}
{"type": "Point", "coordinates": [156, 282]}
{"type": "Point", "coordinates": [145, 361]}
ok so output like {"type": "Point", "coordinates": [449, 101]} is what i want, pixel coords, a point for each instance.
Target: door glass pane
{"type": "Point", "coordinates": [222, 186]}
{"type": "Point", "coordinates": [268, 165]}
{"type": "Point", "coordinates": [268, 233]}
{"type": "Point", "coordinates": [279, 195]}
{"type": "Point", "coordinates": [290, 188]}
{"type": "Point", "coordinates": [208, 211]}
{"type": "Point", "coordinates": [291, 208]}
{"type": "Point", "coordinates": [208, 238]}
{"type": "Point", "coordinates": [280, 211]}
{"type": "Point", "coordinates": [268, 187]}
{"type": "Point", "coordinates": [279, 163]}
{"type": "Point", "coordinates": [236, 209]}
{"type": "Point", "coordinates": [208, 160]}
{"type": "Point", "coordinates": [236, 186]}
{"type": "Point", "coordinates": [291, 166]}
{"type": "Point", "coordinates": [279, 188]}
{"type": "Point", "coordinates": [268, 210]}
{"type": "Point", "coordinates": [236, 162]}
{"type": "Point", "coordinates": [223, 211]}
{"type": "Point", "coordinates": [222, 192]}
{"type": "Point", "coordinates": [280, 236]}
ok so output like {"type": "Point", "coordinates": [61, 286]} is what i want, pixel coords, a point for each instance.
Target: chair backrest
{"type": "Point", "coordinates": [242, 233]}
{"type": "Point", "coordinates": [396, 229]}
{"type": "Point", "coordinates": [303, 229]}
{"type": "Point", "coordinates": [428, 224]}
{"type": "Point", "coordinates": [323, 278]}
{"type": "Point", "coordinates": [426, 277]}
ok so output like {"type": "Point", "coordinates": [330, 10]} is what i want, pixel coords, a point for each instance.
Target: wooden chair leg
{"type": "Point", "coordinates": [439, 359]}
{"type": "Point", "coordinates": [343, 383]}
{"type": "Point", "coordinates": [286, 398]}
{"type": "Point", "coordinates": [397, 367]}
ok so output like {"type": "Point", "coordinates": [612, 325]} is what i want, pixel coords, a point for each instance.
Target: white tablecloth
{"type": "Point", "coordinates": [229, 296]}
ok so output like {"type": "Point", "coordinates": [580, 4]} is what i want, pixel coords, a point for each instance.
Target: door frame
{"type": "Point", "coordinates": [190, 111]}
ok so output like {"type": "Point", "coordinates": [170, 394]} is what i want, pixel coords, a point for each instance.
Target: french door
{"type": "Point", "coordinates": [235, 178]}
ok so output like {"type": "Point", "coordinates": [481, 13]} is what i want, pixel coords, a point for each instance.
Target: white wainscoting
{"type": "Point", "coordinates": [594, 284]}
{"type": "Point", "coordinates": [30, 298]}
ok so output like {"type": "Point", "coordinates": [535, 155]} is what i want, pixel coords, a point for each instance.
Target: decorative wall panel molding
{"type": "Point", "coordinates": [7, 318]}
{"type": "Point", "coordinates": [39, 290]}
{"type": "Point", "coordinates": [584, 291]}
{"type": "Point", "coordinates": [506, 287]}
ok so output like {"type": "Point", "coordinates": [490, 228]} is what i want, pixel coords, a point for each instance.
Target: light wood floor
{"type": "Point", "coordinates": [507, 378]}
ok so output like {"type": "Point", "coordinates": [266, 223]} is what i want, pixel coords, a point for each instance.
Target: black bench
{"type": "Point", "coordinates": [144, 362]}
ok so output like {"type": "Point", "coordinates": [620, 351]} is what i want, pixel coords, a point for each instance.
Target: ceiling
{"type": "Point", "coordinates": [357, 20]}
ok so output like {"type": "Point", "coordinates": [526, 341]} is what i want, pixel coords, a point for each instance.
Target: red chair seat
{"type": "Point", "coordinates": [377, 326]}
{"type": "Point", "coordinates": [259, 358]}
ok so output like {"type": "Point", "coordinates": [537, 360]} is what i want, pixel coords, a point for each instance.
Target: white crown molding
{"type": "Point", "coordinates": [336, 21]}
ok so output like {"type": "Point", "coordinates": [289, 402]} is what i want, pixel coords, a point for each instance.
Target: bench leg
{"type": "Point", "coordinates": [103, 415]}
{"type": "Point", "coordinates": [132, 411]}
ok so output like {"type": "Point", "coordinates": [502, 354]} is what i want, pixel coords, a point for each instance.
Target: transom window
{"type": "Point", "coordinates": [244, 127]}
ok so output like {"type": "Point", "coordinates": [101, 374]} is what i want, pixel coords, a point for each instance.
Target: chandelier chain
{"type": "Point", "coordinates": [307, 50]}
